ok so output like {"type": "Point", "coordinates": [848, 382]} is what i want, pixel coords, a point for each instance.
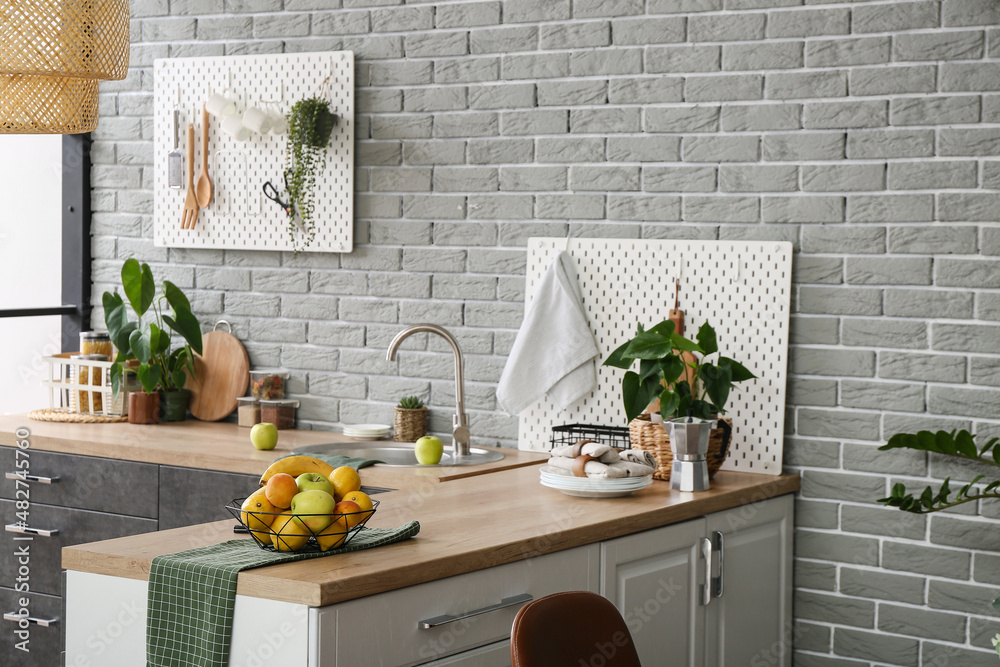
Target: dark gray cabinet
{"type": "Point", "coordinates": [44, 643]}
{"type": "Point", "coordinates": [78, 499]}
{"type": "Point", "coordinates": [189, 497]}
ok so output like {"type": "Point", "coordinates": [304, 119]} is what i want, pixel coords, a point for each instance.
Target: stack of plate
{"type": "Point", "coordinates": [591, 487]}
{"type": "Point", "coordinates": [367, 431]}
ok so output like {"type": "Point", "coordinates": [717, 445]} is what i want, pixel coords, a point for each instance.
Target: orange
{"type": "Point", "coordinates": [280, 490]}
{"type": "Point", "coordinates": [288, 532]}
{"type": "Point", "coordinates": [345, 479]}
{"type": "Point", "coordinates": [364, 503]}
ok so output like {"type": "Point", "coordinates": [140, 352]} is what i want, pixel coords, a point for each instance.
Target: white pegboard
{"type": "Point", "coordinates": [742, 289]}
{"type": "Point", "coordinates": [239, 215]}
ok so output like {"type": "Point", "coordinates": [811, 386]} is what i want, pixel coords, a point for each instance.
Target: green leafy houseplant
{"type": "Point", "coordinates": [661, 370]}
{"type": "Point", "coordinates": [147, 339]}
{"type": "Point", "coordinates": [410, 403]}
{"type": "Point", "coordinates": [955, 444]}
{"type": "Point", "coordinates": [310, 124]}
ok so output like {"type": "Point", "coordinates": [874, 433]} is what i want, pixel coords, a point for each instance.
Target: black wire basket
{"type": "Point", "coordinates": [311, 532]}
{"type": "Point", "coordinates": [570, 434]}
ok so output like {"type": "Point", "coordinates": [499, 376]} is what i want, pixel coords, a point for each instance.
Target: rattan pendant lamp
{"type": "Point", "coordinates": [53, 53]}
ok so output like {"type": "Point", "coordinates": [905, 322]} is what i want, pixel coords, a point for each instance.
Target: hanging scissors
{"type": "Point", "coordinates": [272, 193]}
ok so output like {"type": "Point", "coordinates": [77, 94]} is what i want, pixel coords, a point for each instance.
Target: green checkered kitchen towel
{"type": "Point", "coordinates": [192, 595]}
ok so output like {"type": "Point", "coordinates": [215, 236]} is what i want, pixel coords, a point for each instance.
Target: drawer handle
{"type": "Point", "coordinates": [706, 588]}
{"type": "Point", "coordinates": [437, 621]}
{"type": "Point", "coordinates": [32, 478]}
{"type": "Point", "coordinates": [43, 622]}
{"type": "Point", "coordinates": [25, 530]}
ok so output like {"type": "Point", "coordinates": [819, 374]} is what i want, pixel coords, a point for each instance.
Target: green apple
{"type": "Point", "coordinates": [314, 508]}
{"type": "Point", "coordinates": [429, 450]}
{"type": "Point", "coordinates": [264, 435]}
{"type": "Point", "coordinates": [314, 480]}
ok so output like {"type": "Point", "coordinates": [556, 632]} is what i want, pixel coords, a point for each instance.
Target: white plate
{"type": "Point", "coordinates": [599, 493]}
{"type": "Point", "coordinates": [566, 478]}
{"type": "Point", "coordinates": [367, 427]}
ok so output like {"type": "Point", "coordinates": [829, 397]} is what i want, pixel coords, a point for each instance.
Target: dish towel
{"type": "Point", "coordinates": [590, 459]}
{"type": "Point", "coordinates": [192, 595]}
{"type": "Point", "coordinates": [554, 352]}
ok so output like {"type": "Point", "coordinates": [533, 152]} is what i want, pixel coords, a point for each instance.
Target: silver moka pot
{"type": "Point", "coordinates": [689, 444]}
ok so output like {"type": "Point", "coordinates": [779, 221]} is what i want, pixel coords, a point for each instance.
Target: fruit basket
{"type": "Point", "coordinates": [288, 532]}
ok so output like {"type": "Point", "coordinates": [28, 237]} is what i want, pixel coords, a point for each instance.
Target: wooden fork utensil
{"type": "Point", "coordinates": [191, 203]}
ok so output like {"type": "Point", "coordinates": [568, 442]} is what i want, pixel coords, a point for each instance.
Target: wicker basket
{"type": "Point", "coordinates": [653, 437]}
{"type": "Point", "coordinates": [65, 39]}
{"type": "Point", "coordinates": [32, 104]}
{"type": "Point", "coordinates": [409, 425]}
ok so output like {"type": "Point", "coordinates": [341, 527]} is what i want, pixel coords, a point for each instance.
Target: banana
{"type": "Point", "coordinates": [295, 466]}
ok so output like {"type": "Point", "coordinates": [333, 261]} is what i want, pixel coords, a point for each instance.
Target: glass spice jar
{"type": "Point", "coordinates": [89, 375]}
{"type": "Point", "coordinates": [248, 411]}
{"type": "Point", "coordinates": [281, 412]}
{"type": "Point", "coordinates": [95, 342]}
{"type": "Point", "coordinates": [268, 385]}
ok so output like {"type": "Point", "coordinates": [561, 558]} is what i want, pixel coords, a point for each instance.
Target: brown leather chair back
{"type": "Point", "coordinates": [573, 629]}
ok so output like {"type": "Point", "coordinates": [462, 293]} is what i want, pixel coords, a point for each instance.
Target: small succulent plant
{"type": "Point", "coordinates": [411, 403]}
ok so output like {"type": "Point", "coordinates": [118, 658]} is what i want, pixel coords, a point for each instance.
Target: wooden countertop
{"type": "Point", "coordinates": [466, 525]}
{"type": "Point", "coordinates": [222, 446]}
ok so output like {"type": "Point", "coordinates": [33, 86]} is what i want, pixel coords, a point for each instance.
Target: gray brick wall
{"type": "Point", "coordinates": [865, 132]}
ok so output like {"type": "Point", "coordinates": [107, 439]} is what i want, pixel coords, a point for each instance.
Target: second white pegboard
{"type": "Point", "coordinates": [741, 288]}
{"type": "Point", "coordinates": [239, 215]}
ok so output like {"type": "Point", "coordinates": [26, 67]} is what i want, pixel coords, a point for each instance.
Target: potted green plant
{"type": "Point", "coordinates": [670, 370]}
{"type": "Point", "coordinates": [659, 351]}
{"type": "Point", "coordinates": [310, 124]}
{"type": "Point", "coordinates": [146, 343]}
{"type": "Point", "coordinates": [410, 423]}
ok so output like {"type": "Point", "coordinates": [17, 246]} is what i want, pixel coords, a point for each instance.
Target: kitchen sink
{"type": "Point", "coordinates": [399, 455]}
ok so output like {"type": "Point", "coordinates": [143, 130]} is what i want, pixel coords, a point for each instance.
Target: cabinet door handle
{"type": "Point", "coordinates": [43, 622]}
{"type": "Point", "coordinates": [706, 588]}
{"type": "Point", "coordinates": [717, 581]}
{"type": "Point", "coordinates": [32, 478]}
{"type": "Point", "coordinates": [428, 623]}
{"type": "Point", "coordinates": [25, 530]}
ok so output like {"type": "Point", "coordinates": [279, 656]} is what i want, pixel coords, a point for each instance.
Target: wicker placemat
{"type": "Point", "coordinates": [50, 415]}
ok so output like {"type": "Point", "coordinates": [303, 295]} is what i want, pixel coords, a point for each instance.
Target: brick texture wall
{"type": "Point", "coordinates": [866, 133]}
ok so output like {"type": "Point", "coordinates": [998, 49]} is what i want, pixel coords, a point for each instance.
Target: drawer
{"type": "Point", "coordinates": [85, 482]}
{"type": "Point", "coordinates": [74, 526]}
{"type": "Point", "coordinates": [496, 654]}
{"type": "Point", "coordinates": [389, 625]}
{"type": "Point", "coordinates": [44, 643]}
{"type": "Point", "coordinates": [189, 496]}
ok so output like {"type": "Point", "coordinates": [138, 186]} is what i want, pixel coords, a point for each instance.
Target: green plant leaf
{"type": "Point", "coordinates": [175, 297]}
{"type": "Point", "coordinates": [671, 368]}
{"type": "Point", "coordinates": [996, 455]}
{"type": "Point", "coordinates": [116, 380]}
{"type": "Point", "coordinates": [683, 344]}
{"type": "Point", "coordinates": [664, 328]}
{"type": "Point", "coordinates": [649, 345]}
{"type": "Point", "coordinates": [965, 445]}
{"type": "Point", "coordinates": [707, 340]}
{"type": "Point", "coordinates": [187, 326]}
{"type": "Point", "coordinates": [617, 359]}
{"type": "Point", "coordinates": [149, 377]}
{"type": "Point", "coordinates": [717, 381]}
{"type": "Point", "coordinates": [638, 394]}
{"type": "Point", "coordinates": [138, 342]}
{"type": "Point", "coordinates": [738, 370]}
{"type": "Point", "coordinates": [648, 368]}
{"type": "Point", "coordinates": [137, 280]}
{"type": "Point", "coordinates": [669, 402]}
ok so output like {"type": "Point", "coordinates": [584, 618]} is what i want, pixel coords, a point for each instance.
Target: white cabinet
{"type": "Point", "coordinates": [710, 592]}
{"type": "Point", "coordinates": [448, 618]}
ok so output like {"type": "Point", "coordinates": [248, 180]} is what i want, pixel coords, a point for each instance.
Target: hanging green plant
{"type": "Point", "coordinates": [310, 124]}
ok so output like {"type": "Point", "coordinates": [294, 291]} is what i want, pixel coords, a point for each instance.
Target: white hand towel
{"type": "Point", "coordinates": [554, 352]}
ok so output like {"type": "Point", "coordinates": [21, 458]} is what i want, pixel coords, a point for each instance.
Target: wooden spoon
{"type": "Point", "coordinates": [203, 189]}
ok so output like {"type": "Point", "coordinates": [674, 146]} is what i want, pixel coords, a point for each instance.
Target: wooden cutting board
{"type": "Point", "coordinates": [221, 376]}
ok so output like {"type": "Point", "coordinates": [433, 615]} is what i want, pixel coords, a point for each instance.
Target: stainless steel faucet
{"type": "Point", "coordinates": [460, 422]}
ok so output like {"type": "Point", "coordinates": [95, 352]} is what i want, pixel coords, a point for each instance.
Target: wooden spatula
{"type": "Point", "coordinates": [204, 188]}
{"type": "Point", "coordinates": [191, 203]}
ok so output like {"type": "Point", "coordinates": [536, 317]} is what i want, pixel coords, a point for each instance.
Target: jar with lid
{"type": "Point", "coordinates": [248, 411]}
{"type": "Point", "coordinates": [268, 385]}
{"type": "Point", "coordinates": [281, 412]}
{"type": "Point", "coordinates": [95, 342]}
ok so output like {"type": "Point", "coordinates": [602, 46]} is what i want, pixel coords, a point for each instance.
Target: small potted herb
{"type": "Point", "coordinates": [145, 344]}
{"type": "Point", "coordinates": [700, 388]}
{"type": "Point", "coordinates": [310, 124]}
{"type": "Point", "coordinates": [410, 423]}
